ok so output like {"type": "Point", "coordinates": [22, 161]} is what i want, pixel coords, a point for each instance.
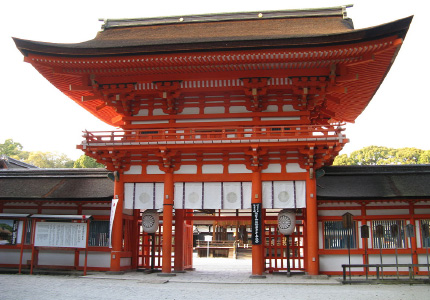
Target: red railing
{"type": "Point", "coordinates": [215, 135]}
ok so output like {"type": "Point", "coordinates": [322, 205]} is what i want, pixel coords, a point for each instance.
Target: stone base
{"type": "Point", "coordinates": [257, 276]}
{"type": "Point", "coordinates": [115, 272]}
{"type": "Point", "coordinates": [166, 274]}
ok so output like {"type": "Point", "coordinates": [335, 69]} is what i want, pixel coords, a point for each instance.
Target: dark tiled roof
{"type": "Point", "coordinates": [374, 182]}
{"type": "Point", "coordinates": [7, 162]}
{"type": "Point", "coordinates": [157, 35]}
{"type": "Point", "coordinates": [56, 184]}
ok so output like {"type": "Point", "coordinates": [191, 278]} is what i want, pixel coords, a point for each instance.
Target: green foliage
{"type": "Point", "coordinates": [13, 150]}
{"type": "Point", "coordinates": [377, 155]}
{"type": "Point", "coordinates": [49, 160]}
{"type": "Point", "coordinates": [87, 162]}
{"type": "Point", "coordinates": [37, 158]}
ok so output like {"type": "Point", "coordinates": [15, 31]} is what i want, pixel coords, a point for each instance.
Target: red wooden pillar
{"type": "Point", "coordinates": [188, 256]}
{"type": "Point", "coordinates": [179, 240]}
{"type": "Point", "coordinates": [312, 225]}
{"type": "Point", "coordinates": [135, 239]}
{"type": "Point", "coordinates": [117, 227]}
{"type": "Point", "coordinates": [257, 250]}
{"type": "Point", "coordinates": [167, 222]}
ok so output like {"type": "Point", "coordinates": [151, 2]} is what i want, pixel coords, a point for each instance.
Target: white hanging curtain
{"type": "Point", "coordinates": [284, 194]}
{"type": "Point", "coordinates": [216, 195]}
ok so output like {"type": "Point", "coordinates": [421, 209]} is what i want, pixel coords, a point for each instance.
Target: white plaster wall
{"type": "Point", "coordinates": [56, 258]}
{"type": "Point", "coordinates": [423, 259]}
{"type": "Point", "coordinates": [331, 213]}
{"type": "Point", "coordinates": [387, 212]}
{"type": "Point", "coordinates": [212, 169]}
{"type": "Point", "coordinates": [96, 212]}
{"type": "Point", "coordinates": [134, 170]}
{"type": "Point", "coordinates": [10, 256]}
{"type": "Point", "coordinates": [153, 169]}
{"type": "Point", "coordinates": [294, 168]}
{"type": "Point", "coordinates": [422, 211]}
{"type": "Point", "coordinates": [239, 168]}
{"type": "Point", "coordinates": [331, 263]}
{"type": "Point", "coordinates": [95, 259]}
{"type": "Point", "coordinates": [214, 110]}
{"type": "Point", "coordinates": [142, 112]}
{"type": "Point", "coordinates": [125, 261]}
{"type": "Point", "coordinates": [190, 111]}
{"type": "Point", "coordinates": [271, 108]}
{"type": "Point", "coordinates": [288, 108]}
{"type": "Point", "coordinates": [159, 112]}
{"type": "Point", "coordinates": [273, 168]}
{"type": "Point", "coordinates": [187, 169]}
{"type": "Point", "coordinates": [19, 211]}
{"type": "Point", "coordinates": [238, 109]}
{"type": "Point", "coordinates": [390, 259]}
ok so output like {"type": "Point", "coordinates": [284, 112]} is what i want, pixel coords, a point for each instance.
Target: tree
{"type": "Point", "coordinates": [87, 162]}
{"type": "Point", "coordinates": [377, 155]}
{"type": "Point", "coordinates": [49, 160]}
{"type": "Point", "coordinates": [425, 157]}
{"type": "Point", "coordinates": [13, 150]}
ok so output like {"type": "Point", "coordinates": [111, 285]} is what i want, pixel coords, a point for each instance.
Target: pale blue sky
{"type": "Point", "coordinates": [41, 118]}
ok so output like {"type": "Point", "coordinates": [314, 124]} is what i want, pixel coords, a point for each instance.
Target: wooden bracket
{"type": "Point", "coordinates": [257, 161]}
{"type": "Point", "coordinates": [256, 89]}
{"type": "Point", "coordinates": [170, 92]}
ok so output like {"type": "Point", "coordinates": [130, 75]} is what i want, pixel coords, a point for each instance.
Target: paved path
{"type": "Point", "coordinates": [213, 279]}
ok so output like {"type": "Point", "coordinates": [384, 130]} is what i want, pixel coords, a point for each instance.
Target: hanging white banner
{"type": "Point", "coordinates": [193, 195]}
{"type": "Point", "coordinates": [112, 218]}
{"type": "Point", "coordinates": [129, 195]}
{"type": "Point", "coordinates": [159, 195]}
{"type": "Point", "coordinates": [179, 195]}
{"type": "Point", "coordinates": [284, 194]}
{"type": "Point", "coordinates": [144, 196]}
{"type": "Point", "coordinates": [232, 195]}
{"type": "Point", "coordinates": [300, 194]}
{"type": "Point", "coordinates": [246, 194]}
{"type": "Point", "coordinates": [267, 194]}
{"type": "Point", "coordinates": [212, 195]}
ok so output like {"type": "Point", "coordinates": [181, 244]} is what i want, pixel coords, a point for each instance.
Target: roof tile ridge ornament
{"type": "Point", "coordinates": [230, 16]}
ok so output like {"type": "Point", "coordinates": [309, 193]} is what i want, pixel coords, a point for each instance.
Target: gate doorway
{"type": "Point", "coordinates": [224, 234]}
{"type": "Point", "coordinates": [276, 249]}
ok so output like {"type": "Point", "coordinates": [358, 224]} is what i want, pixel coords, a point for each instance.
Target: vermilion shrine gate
{"type": "Point", "coordinates": [220, 113]}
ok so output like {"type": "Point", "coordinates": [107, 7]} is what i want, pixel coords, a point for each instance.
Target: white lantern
{"type": "Point", "coordinates": [286, 221]}
{"type": "Point", "coordinates": [150, 220]}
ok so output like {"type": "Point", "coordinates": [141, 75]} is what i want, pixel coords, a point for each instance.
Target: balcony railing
{"type": "Point", "coordinates": [218, 135]}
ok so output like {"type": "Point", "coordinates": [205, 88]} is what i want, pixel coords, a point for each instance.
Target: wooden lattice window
{"type": "Point", "coordinates": [387, 240]}
{"type": "Point", "coordinates": [337, 237]}
{"type": "Point", "coordinates": [99, 234]}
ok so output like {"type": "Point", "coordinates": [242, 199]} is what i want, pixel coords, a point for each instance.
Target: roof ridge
{"type": "Point", "coordinates": [230, 16]}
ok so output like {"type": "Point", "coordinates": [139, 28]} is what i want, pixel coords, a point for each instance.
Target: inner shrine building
{"type": "Point", "coordinates": [222, 119]}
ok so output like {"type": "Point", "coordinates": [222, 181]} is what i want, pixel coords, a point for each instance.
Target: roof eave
{"type": "Point", "coordinates": [399, 28]}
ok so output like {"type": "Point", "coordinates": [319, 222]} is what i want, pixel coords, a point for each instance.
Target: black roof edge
{"type": "Point", "coordinates": [375, 170]}
{"type": "Point", "coordinates": [49, 173]}
{"type": "Point", "coordinates": [401, 27]}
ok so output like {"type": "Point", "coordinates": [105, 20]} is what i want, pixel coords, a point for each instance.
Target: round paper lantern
{"type": "Point", "coordinates": [150, 220]}
{"type": "Point", "coordinates": [286, 221]}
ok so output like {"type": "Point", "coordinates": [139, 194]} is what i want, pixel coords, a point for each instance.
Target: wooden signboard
{"type": "Point", "coordinates": [256, 224]}
{"type": "Point", "coordinates": [60, 234]}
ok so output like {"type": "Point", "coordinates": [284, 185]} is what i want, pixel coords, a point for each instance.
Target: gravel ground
{"type": "Point", "coordinates": [213, 279]}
